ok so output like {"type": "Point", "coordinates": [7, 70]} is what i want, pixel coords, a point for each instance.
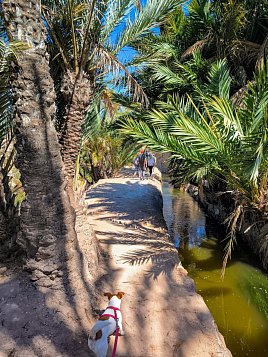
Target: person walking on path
{"type": "Point", "coordinates": [136, 165]}
{"type": "Point", "coordinates": [151, 161]}
{"type": "Point", "coordinates": [142, 165]}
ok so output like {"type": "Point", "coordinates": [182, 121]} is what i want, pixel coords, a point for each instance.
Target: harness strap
{"type": "Point", "coordinates": [109, 315]}
{"type": "Point", "coordinates": [113, 308]}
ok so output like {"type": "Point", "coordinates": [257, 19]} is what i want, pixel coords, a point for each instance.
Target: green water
{"type": "Point", "coordinates": [239, 303]}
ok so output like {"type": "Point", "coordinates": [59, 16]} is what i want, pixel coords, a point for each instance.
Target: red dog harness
{"type": "Point", "coordinates": [117, 327]}
{"type": "Point", "coordinates": [112, 308]}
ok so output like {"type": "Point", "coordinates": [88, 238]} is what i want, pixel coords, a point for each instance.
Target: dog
{"type": "Point", "coordinates": [98, 337]}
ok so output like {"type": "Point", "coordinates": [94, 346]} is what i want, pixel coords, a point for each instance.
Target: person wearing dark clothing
{"type": "Point", "coordinates": [151, 161]}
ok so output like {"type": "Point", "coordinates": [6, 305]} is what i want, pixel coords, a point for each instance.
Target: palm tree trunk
{"type": "Point", "coordinates": [77, 94]}
{"type": "Point", "coordinates": [44, 213]}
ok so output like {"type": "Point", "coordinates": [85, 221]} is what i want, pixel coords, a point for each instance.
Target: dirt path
{"type": "Point", "coordinates": [44, 315]}
{"type": "Point", "coordinates": [163, 316]}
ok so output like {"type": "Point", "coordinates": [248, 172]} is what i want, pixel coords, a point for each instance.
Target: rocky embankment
{"type": "Point", "coordinates": [253, 229]}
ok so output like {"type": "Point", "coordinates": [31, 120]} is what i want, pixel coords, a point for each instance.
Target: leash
{"type": "Point", "coordinates": [117, 327]}
{"type": "Point", "coordinates": [116, 334]}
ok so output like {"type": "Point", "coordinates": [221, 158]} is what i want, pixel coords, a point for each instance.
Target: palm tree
{"type": "Point", "coordinates": [42, 230]}
{"type": "Point", "coordinates": [233, 29]}
{"type": "Point", "coordinates": [82, 53]}
{"type": "Point", "coordinates": [213, 138]}
{"type": "Point", "coordinates": [104, 150]}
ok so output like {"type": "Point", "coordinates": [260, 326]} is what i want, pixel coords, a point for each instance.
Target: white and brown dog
{"type": "Point", "coordinates": [106, 325]}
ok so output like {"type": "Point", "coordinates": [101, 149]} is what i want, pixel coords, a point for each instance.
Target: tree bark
{"type": "Point", "coordinates": [46, 220]}
{"type": "Point", "coordinates": [77, 94]}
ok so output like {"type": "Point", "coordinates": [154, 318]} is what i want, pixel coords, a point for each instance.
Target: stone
{"type": "Point", "coordinates": [37, 274]}
{"type": "Point", "coordinates": [3, 270]}
{"type": "Point", "coordinates": [47, 240]}
{"type": "Point", "coordinates": [45, 282]}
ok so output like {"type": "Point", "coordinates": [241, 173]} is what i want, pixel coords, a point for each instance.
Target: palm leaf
{"type": "Point", "coordinates": [116, 11]}
{"type": "Point", "coordinates": [219, 80]}
{"type": "Point", "coordinates": [150, 16]}
{"type": "Point", "coordinates": [109, 61]}
{"type": "Point", "coordinates": [8, 54]}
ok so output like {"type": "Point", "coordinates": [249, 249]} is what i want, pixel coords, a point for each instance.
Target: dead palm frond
{"type": "Point", "coordinates": [197, 46]}
{"type": "Point", "coordinates": [232, 223]}
{"type": "Point", "coordinates": [262, 52]}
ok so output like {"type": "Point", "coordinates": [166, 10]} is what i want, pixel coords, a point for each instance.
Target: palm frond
{"type": "Point", "coordinates": [219, 80]}
{"type": "Point", "coordinates": [109, 60]}
{"type": "Point", "coordinates": [150, 16]}
{"type": "Point", "coordinates": [167, 76]}
{"type": "Point", "coordinates": [232, 221]}
{"type": "Point", "coordinates": [159, 51]}
{"type": "Point", "coordinates": [224, 110]}
{"type": "Point", "coordinates": [116, 11]}
{"type": "Point", "coordinates": [197, 46]}
{"type": "Point", "coordinates": [143, 134]}
{"type": "Point", "coordinates": [255, 120]}
{"type": "Point", "coordinates": [8, 55]}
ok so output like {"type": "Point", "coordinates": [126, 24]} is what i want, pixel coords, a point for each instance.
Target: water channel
{"type": "Point", "coordinates": [239, 303]}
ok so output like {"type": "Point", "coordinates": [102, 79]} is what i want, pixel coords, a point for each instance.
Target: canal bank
{"type": "Point", "coordinates": [239, 303]}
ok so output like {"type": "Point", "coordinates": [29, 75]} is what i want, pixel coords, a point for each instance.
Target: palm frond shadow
{"type": "Point", "coordinates": [136, 224]}
{"type": "Point", "coordinates": [160, 253]}
{"type": "Point", "coordinates": [163, 261]}
{"type": "Point", "coordinates": [132, 239]}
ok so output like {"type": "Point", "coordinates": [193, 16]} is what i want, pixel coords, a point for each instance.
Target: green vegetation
{"type": "Point", "coordinates": [206, 77]}
{"type": "Point", "coordinates": [198, 90]}
{"type": "Point", "coordinates": [12, 193]}
{"type": "Point", "coordinates": [82, 54]}
{"type": "Point", "coordinates": [104, 151]}
{"type": "Point", "coordinates": [211, 136]}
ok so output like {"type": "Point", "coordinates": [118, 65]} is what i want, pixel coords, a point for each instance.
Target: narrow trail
{"type": "Point", "coordinates": [163, 316]}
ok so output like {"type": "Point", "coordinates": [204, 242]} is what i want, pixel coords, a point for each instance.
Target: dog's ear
{"type": "Point", "coordinates": [109, 295]}
{"type": "Point", "coordinates": [120, 294]}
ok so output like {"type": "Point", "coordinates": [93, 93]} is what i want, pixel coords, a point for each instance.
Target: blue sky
{"type": "Point", "coordinates": [128, 53]}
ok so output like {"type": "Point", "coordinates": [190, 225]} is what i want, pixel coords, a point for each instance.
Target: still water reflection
{"type": "Point", "coordinates": [239, 303]}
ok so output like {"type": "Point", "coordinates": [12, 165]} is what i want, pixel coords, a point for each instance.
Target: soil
{"type": "Point", "coordinates": [130, 251]}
